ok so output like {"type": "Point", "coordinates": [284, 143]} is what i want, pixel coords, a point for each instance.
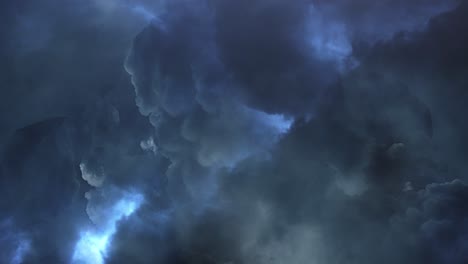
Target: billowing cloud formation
{"type": "Point", "coordinates": [344, 178]}
{"type": "Point", "coordinates": [196, 126]}
{"type": "Point", "coordinates": [92, 246]}
{"type": "Point", "coordinates": [437, 221]}
{"type": "Point", "coordinates": [257, 131]}
{"type": "Point", "coordinates": [93, 179]}
{"type": "Point", "coordinates": [373, 21]}
{"type": "Point", "coordinates": [14, 243]}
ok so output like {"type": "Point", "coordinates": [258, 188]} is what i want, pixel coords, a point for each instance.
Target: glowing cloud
{"type": "Point", "coordinates": [92, 246]}
{"type": "Point", "coordinates": [24, 245]}
{"type": "Point", "coordinates": [329, 40]}
{"type": "Point", "coordinates": [143, 12]}
{"type": "Point", "coordinates": [14, 243]}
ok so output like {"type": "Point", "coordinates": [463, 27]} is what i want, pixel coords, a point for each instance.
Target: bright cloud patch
{"type": "Point", "coordinates": [92, 246]}
{"type": "Point", "coordinates": [14, 243]}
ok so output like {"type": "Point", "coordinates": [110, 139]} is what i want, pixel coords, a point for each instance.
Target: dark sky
{"type": "Point", "coordinates": [233, 132]}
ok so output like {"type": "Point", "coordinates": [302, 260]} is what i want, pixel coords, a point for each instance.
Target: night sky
{"type": "Point", "coordinates": [233, 132]}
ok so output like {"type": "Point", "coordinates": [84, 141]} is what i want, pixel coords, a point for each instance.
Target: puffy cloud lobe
{"type": "Point", "coordinates": [15, 244]}
{"type": "Point", "coordinates": [95, 179]}
{"type": "Point", "coordinates": [148, 145]}
{"type": "Point", "coordinates": [196, 126]}
{"type": "Point", "coordinates": [437, 221]}
{"type": "Point", "coordinates": [106, 208]}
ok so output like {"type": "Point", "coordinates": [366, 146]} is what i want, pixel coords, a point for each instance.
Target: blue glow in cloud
{"type": "Point", "coordinates": [135, 10]}
{"type": "Point", "coordinates": [147, 14]}
{"type": "Point", "coordinates": [328, 39]}
{"type": "Point", "coordinates": [24, 245]}
{"type": "Point", "coordinates": [143, 12]}
{"type": "Point", "coordinates": [279, 122]}
{"type": "Point", "coordinates": [14, 244]}
{"type": "Point", "coordinates": [92, 246]}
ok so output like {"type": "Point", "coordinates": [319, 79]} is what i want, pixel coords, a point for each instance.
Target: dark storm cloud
{"type": "Point", "coordinates": [267, 53]}
{"type": "Point", "coordinates": [352, 185]}
{"type": "Point", "coordinates": [269, 132]}
{"type": "Point", "coordinates": [29, 202]}
{"type": "Point", "coordinates": [284, 54]}
{"type": "Point", "coordinates": [431, 66]}
{"type": "Point", "coordinates": [280, 56]}
{"type": "Point", "coordinates": [200, 123]}
{"type": "Point", "coordinates": [436, 220]}
{"type": "Point", "coordinates": [373, 21]}
{"type": "Point", "coordinates": [364, 128]}
{"type": "Point", "coordinates": [65, 101]}
{"type": "Point", "coordinates": [51, 57]}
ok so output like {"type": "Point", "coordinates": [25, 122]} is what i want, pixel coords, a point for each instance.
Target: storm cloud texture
{"type": "Point", "coordinates": [233, 132]}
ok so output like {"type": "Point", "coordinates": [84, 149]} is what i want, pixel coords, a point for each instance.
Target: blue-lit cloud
{"type": "Point", "coordinates": [94, 241]}
{"type": "Point", "coordinates": [329, 40]}
{"type": "Point", "coordinates": [262, 131]}
{"type": "Point", "coordinates": [15, 244]}
{"type": "Point", "coordinates": [145, 13]}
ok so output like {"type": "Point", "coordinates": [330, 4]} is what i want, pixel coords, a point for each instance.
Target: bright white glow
{"type": "Point", "coordinates": [92, 246]}
{"type": "Point", "coordinates": [124, 208]}
{"type": "Point", "coordinates": [277, 124]}
{"type": "Point", "coordinates": [249, 132]}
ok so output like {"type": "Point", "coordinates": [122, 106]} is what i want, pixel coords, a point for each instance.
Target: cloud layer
{"type": "Point", "coordinates": [237, 132]}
